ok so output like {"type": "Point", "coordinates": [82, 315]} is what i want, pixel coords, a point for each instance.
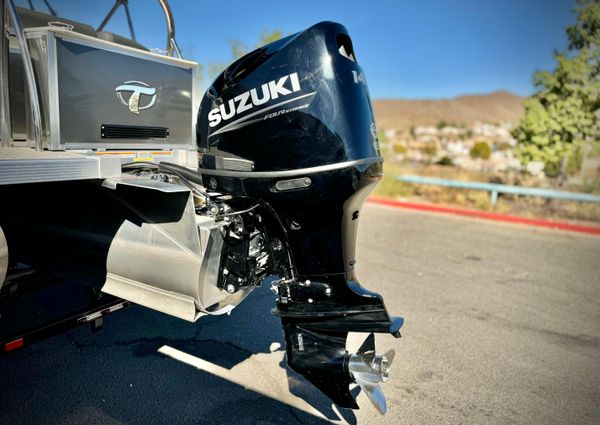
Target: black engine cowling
{"type": "Point", "coordinates": [296, 103]}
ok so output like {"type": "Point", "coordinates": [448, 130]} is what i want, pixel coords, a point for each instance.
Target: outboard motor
{"type": "Point", "coordinates": [289, 128]}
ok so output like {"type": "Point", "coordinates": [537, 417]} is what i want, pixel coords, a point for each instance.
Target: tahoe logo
{"type": "Point", "coordinates": [272, 90]}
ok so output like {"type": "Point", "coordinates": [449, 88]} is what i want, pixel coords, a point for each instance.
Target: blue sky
{"type": "Point", "coordinates": [408, 49]}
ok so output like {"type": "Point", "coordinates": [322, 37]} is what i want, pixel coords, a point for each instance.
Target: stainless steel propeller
{"type": "Point", "coordinates": [369, 370]}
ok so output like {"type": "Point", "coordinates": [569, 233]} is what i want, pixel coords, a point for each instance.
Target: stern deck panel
{"type": "Point", "coordinates": [25, 165]}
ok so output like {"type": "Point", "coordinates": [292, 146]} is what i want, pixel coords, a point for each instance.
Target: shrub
{"type": "Point", "coordinates": [480, 150]}
{"type": "Point", "coordinates": [429, 150]}
{"type": "Point", "coordinates": [504, 146]}
{"type": "Point", "coordinates": [446, 160]}
{"type": "Point", "coordinates": [399, 149]}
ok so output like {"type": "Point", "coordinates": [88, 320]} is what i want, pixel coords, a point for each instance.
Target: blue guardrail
{"type": "Point", "coordinates": [495, 189]}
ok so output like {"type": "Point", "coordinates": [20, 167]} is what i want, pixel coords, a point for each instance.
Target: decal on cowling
{"type": "Point", "coordinates": [281, 88]}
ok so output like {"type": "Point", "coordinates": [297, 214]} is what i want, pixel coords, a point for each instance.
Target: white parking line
{"type": "Point", "coordinates": [239, 375]}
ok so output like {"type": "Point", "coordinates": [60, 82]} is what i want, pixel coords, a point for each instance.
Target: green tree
{"type": "Point", "coordinates": [563, 116]}
{"type": "Point", "coordinates": [239, 49]}
{"type": "Point", "coordinates": [267, 37]}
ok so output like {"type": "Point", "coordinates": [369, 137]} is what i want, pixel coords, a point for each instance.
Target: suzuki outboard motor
{"type": "Point", "coordinates": [288, 130]}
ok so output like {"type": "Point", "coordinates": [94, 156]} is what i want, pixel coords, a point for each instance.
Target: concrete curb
{"type": "Point", "coordinates": [561, 225]}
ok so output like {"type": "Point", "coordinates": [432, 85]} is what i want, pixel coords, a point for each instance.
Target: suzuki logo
{"type": "Point", "coordinates": [137, 89]}
{"type": "Point", "coordinates": [251, 98]}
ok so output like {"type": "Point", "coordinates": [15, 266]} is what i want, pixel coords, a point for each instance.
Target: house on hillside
{"type": "Point", "coordinates": [452, 131]}
{"type": "Point", "coordinates": [425, 131]}
{"type": "Point", "coordinates": [501, 131]}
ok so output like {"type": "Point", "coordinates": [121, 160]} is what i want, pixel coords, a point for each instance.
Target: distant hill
{"type": "Point", "coordinates": [500, 106]}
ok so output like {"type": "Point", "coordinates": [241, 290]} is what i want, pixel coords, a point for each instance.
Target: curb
{"type": "Point", "coordinates": [537, 222]}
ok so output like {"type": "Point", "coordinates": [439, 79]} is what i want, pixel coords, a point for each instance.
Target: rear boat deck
{"type": "Point", "coordinates": [25, 165]}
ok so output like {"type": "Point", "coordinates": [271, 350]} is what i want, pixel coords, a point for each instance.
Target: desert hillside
{"type": "Point", "coordinates": [496, 107]}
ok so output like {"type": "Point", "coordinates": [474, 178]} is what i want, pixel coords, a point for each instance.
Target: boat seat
{"type": "Point", "coordinates": [119, 39]}
{"type": "Point", "coordinates": [33, 18]}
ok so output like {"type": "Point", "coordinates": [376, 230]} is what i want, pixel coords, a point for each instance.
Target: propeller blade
{"type": "Point", "coordinates": [368, 370]}
{"type": "Point", "coordinates": [389, 355]}
{"type": "Point", "coordinates": [367, 349]}
{"type": "Point", "coordinates": [375, 394]}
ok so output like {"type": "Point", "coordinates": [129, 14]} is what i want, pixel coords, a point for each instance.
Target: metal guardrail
{"type": "Point", "coordinates": [495, 189]}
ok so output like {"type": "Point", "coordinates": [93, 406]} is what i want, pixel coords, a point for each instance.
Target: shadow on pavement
{"type": "Point", "coordinates": [117, 375]}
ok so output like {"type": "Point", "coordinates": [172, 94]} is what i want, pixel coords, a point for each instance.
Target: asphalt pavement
{"type": "Point", "coordinates": [502, 326]}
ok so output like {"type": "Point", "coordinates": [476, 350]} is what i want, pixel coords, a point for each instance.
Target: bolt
{"type": "Point", "coordinates": [300, 342]}
{"type": "Point", "coordinates": [382, 363]}
{"type": "Point", "coordinates": [212, 182]}
{"type": "Point", "coordinates": [310, 300]}
{"type": "Point", "coordinates": [328, 291]}
{"type": "Point", "coordinates": [230, 288]}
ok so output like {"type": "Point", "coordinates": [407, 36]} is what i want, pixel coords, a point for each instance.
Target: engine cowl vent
{"type": "Point", "coordinates": [115, 131]}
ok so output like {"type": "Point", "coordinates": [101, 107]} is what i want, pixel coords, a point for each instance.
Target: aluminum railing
{"type": "Point", "coordinates": [9, 10]}
{"type": "Point", "coordinates": [171, 48]}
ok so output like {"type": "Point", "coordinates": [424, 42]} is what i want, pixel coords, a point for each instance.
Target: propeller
{"type": "Point", "coordinates": [369, 370]}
